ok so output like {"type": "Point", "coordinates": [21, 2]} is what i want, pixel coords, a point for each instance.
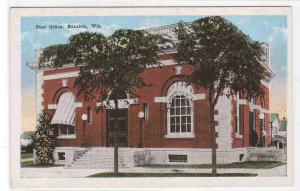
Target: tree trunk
{"type": "Point", "coordinates": [213, 134]}
{"type": "Point", "coordinates": [116, 134]}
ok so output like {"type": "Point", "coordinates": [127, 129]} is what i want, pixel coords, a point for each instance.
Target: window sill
{"type": "Point", "coordinates": [179, 136]}
{"type": "Point", "coordinates": [67, 137]}
{"type": "Point", "coordinates": [238, 136]}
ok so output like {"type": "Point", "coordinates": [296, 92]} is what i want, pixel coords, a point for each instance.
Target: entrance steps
{"type": "Point", "coordinates": [98, 158]}
{"type": "Point", "coordinates": [102, 158]}
{"type": "Point", "coordinates": [265, 154]}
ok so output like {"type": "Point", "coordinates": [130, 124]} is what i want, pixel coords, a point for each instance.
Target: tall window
{"type": "Point", "coordinates": [89, 115]}
{"type": "Point", "coordinates": [180, 111]}
{"type": "Point", "coordinates": [263, 125]}
{"type": "Point", "coordinates": [252, 116]}
{"type": "Point", "coordinates": [146, 111]}
{"type": "Point", "coordinates": [180, 115]}
{"type": "Point", "coordinates": [239, 118]}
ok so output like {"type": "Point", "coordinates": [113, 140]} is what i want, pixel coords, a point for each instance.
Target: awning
{"type": "Point", "coordinates": [65, 111]}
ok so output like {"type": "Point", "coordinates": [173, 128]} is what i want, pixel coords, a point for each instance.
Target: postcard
{"type": "Point", "coordinates": [155, 97]}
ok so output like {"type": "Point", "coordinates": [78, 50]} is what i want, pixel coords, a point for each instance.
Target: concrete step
{"type": "Point", "coordinates": [95, 161]}
{"type": "Point", "coordinates": [99, 158]}
{"type": "Point", "coordinates": [94, 167]}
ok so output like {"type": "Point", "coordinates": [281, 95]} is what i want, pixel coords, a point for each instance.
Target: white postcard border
{"type": "Point", "coordinates": [104, 183]}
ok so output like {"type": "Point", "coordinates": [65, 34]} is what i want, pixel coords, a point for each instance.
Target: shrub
{"type": "Point", "coordinates": [44, 140]}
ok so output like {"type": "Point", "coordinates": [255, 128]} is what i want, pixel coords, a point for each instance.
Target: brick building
{"type": "Point", "coordinates": [175, 127]}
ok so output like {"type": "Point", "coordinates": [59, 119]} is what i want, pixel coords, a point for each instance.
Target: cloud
{"type": "Point", "coordinates": [29, 37]}
{"type": "Point", "coordinates": [277, 32]}
{"type": "Point", "coordinates": [270, 39]}
{"type": "Point", "coordinates": [149, 23]}
{"type": "Point", "coordinates": [42, 31]}
{"type": "Point", "coordinates": [25, 35]}
{"type": "Point", "coordinates": [283, 68]}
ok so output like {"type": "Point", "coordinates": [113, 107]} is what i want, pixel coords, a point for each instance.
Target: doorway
{"type": "Point", "coordinates": [122, 120]}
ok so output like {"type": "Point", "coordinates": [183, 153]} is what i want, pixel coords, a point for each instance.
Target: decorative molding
{"type": "Point", "coordinates": [64, 82]}
{"type": "Point", "coordinates": [160, 99]}
{"type": "Point", "coordinates": [52, 106]}
{"type": "Point", "coordinates": [238, 136]}
{"type": "Point", "coordinates": [179, 135]}
{"type": "Point", "coordinates": [265, 83]}
{"type": "Point", "coordinates": [242, 102]}
{"type": "Point", "coordinates": [252, 106]}
{"type": "Point", "coordinates": [180, 88]}
{"type": "Point", "coordinates": [178, 70]}
{"type": "Point", "coordinates": [198, 96]}
{"type": "Point", "coordinates": [78, 104]}
{"type": "Point", "coordinates": [61, 75]}
{"type": "Point", "coordinates": [122, 103]}
{"type": "Point", "coordinates": [265, 111]}
{"type": "Point", "coordinates": [165, 99]}
{"type": "Point", "coordinates": [66, 137]}
{"type": "Point", "coordinates": [76, 73]}
{"type": "Point", "coordinates": [224, 128]}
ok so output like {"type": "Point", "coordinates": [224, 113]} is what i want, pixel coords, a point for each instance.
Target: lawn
{"type": "Point", "coordinates": [110, 174]}
{"type": "Point", "coordinates": [248, 164]}
{"type": "Point", "coordinates": [26, 164]}
{"type": "Point", "coordinates": [26, 155]}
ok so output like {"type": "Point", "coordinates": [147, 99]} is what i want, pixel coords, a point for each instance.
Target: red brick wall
{"type": "Point", "coordinates": [244, 141]}
{"type": "Point", "coordinates": [158, 81]}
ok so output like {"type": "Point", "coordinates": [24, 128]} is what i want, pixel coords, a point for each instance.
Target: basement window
{"type": "Point", "coordinates": [178, 158]}
{"type": "Point", "coordinates": [241, 157]}
{"type": "Point", "coordinates": [61, 156]}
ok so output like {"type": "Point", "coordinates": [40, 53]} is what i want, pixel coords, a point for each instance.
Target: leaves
{"type": "Point", "coordinates": [55, 56]}
{"type": "Point", "coordinates": [106, 63]}
{"type": "Point", "coordinates": [223, 56]}
{"type": "Point", "coordinates": [44, 140]}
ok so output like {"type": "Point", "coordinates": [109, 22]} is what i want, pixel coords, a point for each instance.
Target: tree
{"type": "Point", "coordinates": [224, 60]}
{"type": "Point", "coordinates": [109, 64]}
{"type": "Point", "coordinates": [44, 140]}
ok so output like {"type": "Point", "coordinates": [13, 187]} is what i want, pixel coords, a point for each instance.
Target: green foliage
{"type": "Point", "coordinates": [107, 63]}
{"type": "Point", "coordinates": [224, 60]}
{"type": "Point", "coordinates": [55, 56]}
{"type": "Point", "coordinates": [223, 56]}
{"type": "Point", "coordinates": [44, 140]}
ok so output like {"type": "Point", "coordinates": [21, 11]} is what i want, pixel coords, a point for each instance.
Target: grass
{"type": "Point", "coordinates": [110, 174]}
{"type": "Point", "coordinates": [26, 155]}
{"type": "Point", "coordinates": [248, 164]}
{"type": "Point", "coordinates": [27, 164]}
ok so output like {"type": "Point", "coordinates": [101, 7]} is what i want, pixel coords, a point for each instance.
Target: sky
{"type": "Point", "coordinates": [271, 29]}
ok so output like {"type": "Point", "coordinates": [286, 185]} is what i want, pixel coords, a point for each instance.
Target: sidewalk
{"type": "Point", "coordinates": [59, 172]}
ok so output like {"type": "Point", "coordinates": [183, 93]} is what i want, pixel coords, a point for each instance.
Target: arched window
{"type": "Point", "coordinates": [64, 116]}
{"type": "Point", "coordinates": [180, 111]}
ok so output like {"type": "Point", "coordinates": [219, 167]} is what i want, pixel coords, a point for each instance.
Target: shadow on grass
{"type": "Point", "coordinates": [248, 164]}
{"type": "Point", "coordinates": [29, 164]}
{"type": "Point", "coordinates": [108, 175]}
